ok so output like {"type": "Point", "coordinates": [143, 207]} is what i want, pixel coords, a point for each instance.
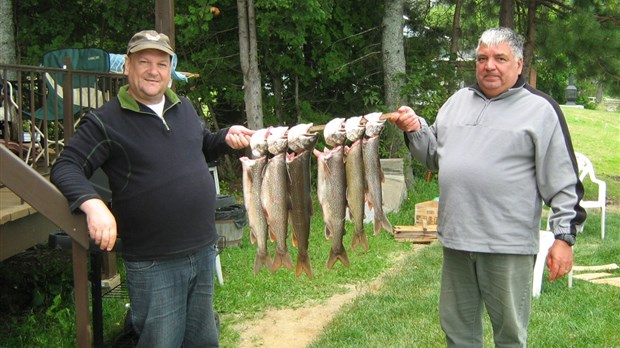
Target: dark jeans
{"type": "Point", "coordinates": [172, 300]}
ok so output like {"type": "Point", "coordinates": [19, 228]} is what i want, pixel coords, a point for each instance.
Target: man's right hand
{"type": "Point", "coordinates": [101, 223]}
{"type": "Point", "coordinates": [406, 119]}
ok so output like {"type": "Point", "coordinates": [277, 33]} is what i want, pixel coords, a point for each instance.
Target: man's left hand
{"type": "Point", "coordinates": [238, 137]}
{"type": "Point", "coordinates": [559, 260]}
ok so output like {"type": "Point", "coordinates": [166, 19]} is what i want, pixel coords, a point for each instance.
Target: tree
{"type": "Point", "coordinates": [393, 52]}
{"type": "Point", "coordinates": [7, 35]}
{"type": "Point", "coordinates": [507, 14]}
{"type": "Point", "coordinates": [530, 43]}
{"type": "Point", "coordinates": [454, 42]}
{"type": "Point", "coordinates": [583, 40]}
{"type": "Point", "coordinates": [249, 64]}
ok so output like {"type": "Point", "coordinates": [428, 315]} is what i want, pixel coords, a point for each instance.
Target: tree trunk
{"type": "Point", "coordinates": [454, 44]}
{"type": "Point", "coordinates": [530, 42]}
{"type": "Point", "coordinates": [249, 64]}
{"type": "Point", "coordinates": [393, 52]}
{"type": "Point", "coordinates": [507, 14]}
{"type": "Point", "coordinates": [7, 36]}
{"type": "Point", "coordinates": [393, 67]}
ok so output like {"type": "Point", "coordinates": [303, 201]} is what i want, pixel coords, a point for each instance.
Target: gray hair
{"type": "Point", "coordinates": [497, 36]}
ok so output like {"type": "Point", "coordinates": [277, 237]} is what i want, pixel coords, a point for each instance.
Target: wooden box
{"type": "Point", "coordinates": [426, 213]}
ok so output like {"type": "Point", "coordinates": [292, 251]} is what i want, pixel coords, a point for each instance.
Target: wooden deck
{"type": "Point", "coordinates": [21, 226]}
{"type": "Point", "coordinates": [12, 207]}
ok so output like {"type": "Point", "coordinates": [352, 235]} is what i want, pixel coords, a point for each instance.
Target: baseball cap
{"type": "Point", "coordinates": [149, 39]}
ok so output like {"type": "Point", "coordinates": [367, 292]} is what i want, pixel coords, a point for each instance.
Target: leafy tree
{"type": "Point", "coordinates": [585, 41]}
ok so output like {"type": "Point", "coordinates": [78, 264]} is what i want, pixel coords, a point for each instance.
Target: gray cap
{"type": "Point", "coordinates": [149, 39]}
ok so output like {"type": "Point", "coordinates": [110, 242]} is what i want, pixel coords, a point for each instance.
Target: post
{"type": "Point", "coordinates": [571, 92]}
{"type": "Point", "coordinates": [164, 18]}
{"type": "Point", "coordinates": [67, 100]}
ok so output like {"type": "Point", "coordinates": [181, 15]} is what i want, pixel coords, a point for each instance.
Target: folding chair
{"type": "Point", "coordinates": [28, 143]}
{"type": "Point", "coordinates": [8, 107]}
{"type": "Point", "coordinates": [87, 91]}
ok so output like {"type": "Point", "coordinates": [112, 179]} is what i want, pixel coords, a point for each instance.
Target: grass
{"type": "Point", "coordinates": [403, 313]}
{"type": "Point", "coordinates": [596, 134]}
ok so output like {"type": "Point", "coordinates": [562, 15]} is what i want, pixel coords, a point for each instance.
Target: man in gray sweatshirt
{"type": "Point", "coordinates": [502, 148]}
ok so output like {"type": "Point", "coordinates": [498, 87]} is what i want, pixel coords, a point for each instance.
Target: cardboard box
{"type": "Point", "coordinates": [426, 213]}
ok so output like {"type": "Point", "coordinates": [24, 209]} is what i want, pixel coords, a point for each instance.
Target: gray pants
{"type": "Point", "coordinates": [502, 282]}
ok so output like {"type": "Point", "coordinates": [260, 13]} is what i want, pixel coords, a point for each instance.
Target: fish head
{"type": "Point", "coordinates": [334, 132]}
{"type": "Point", "coordinates": [300, 138]}
{"type": "Point", "coordinates": [277, 142]}
{"type": "Point", "coordinates": [374, 124]}
{"type": "Point", "coordinates": [354, 128]}
{"type": "Point", "coordinates": [258, 142]}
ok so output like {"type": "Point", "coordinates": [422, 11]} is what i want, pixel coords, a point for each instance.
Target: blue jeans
{"type": "Point", "coordinates": [172, 300]}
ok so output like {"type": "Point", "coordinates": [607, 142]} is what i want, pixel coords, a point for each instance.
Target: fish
{"type": "Point", "coordinates": [252, 179]}
{"type": "Point", "coordinates": [277, 140]}
{"type": "Point", "coordinates": [334, 132]}
{"type": "Point", "coordinates": [301, 142]}
{"type": "Point", "coordinates": [274, 196]}
{"type": "Point", "coordinates": [356, 183]}
{"type": "Point", "coordinates": [331, 189]}
{"type": "Point", "coordinates": [300, 139]}
{"type": "Point", "coordinates": [253, 169]}
{"type": "Point", "coordinates": [373, 171]}
{"type": "Point", "coordinates": [258, 142]}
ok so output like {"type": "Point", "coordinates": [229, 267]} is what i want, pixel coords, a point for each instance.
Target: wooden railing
{"type": "Point", "coordinates": [47, 200]}
{"type": "Point", "coordinates": [35, 125]}
{"type": "Point", "coordinates": [38, 114]}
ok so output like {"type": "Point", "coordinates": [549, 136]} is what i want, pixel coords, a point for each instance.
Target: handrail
{"type": "Point", "coordinates": [47, 200]}
{"type": "Point", "coordinates": [44, 197]}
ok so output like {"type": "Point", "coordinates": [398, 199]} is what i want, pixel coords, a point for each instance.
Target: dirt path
{"type": "Point", "coordinates": [303, 325]}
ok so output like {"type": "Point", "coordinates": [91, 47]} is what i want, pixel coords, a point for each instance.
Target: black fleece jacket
{"type": "Point", "coordinates": [163, 196]}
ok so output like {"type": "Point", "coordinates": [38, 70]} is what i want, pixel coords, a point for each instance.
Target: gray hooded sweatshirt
{"type": "Point", "coordinates": [499, 159]}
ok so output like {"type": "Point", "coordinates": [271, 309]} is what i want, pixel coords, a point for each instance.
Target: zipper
{"type": "Point", "coordinates": [482, 112]}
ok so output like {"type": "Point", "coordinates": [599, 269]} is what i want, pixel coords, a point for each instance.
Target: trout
{"type": "Point", "coordinates": [252, 178]}
{"type": "Point", "coordinates": [331, 189]}
{"type": "Point", "coordinates": [373, 171]}
{"type": "Point", "coordinates": [356, 184]}
{"type": "Point", "coordinates": [274, 196]}
{"type": "Point", "coordinates": [301, 142]}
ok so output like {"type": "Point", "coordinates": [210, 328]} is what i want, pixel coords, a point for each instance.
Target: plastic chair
{"type": "Point", "coordinates": [546, 241]}
{"type": "Point", "coordinates": [587, 169]}
{"type": "Point", "coordinates": [86, 89]}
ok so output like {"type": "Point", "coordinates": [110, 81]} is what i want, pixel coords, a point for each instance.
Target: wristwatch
{"type": "Point", "coordinates": [567, 237]}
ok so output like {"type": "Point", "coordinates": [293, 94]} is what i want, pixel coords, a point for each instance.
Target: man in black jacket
{"type": "Point", "coordinates": [154, 149]}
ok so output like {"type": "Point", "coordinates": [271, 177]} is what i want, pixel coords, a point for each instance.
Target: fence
{"type": "Point", "coordinates": [40, 107]}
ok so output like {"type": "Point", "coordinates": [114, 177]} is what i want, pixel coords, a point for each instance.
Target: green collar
{"type": "Point", "coordinates": [128, 102]}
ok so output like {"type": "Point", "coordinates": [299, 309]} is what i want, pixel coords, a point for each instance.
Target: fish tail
{"type": "Point", "coordinates": [282, 257]}
{"type": "Point", "coordinates": [262, 260]}
{"type": "Point", "coordinates": [387, 225]}
{"type": "Point", "coordinates": [337, 255]}
{"type": "Point", "coordinates": [381, 222]}
{"type": "Point", "coordinates": [303, 265]}
{"type": "Point", "coordinates": [359, 239]}
{"type": "Point", "coordinates": [272, 236]}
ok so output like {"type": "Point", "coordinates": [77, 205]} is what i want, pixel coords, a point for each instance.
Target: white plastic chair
{"type": "Point", "coordinates": [587, 169]}
{"type": "Point", "coordinates": [546, 241]}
